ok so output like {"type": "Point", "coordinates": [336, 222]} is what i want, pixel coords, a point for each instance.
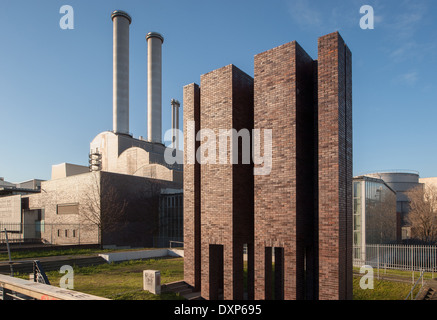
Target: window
{"type": "Point", "coordinates": [357, 209]}
{"type": "Point", "coordinates": [71, 208]}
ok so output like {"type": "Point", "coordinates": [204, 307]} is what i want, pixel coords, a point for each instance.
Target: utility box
{"type": "Point", "coordinates": [152, 281]}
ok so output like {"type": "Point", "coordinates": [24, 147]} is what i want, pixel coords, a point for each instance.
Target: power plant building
{"type": "Point", "coordinates": [117, 199]}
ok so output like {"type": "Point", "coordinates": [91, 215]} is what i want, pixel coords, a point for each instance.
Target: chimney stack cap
{"type": "Point", "coordinates": [122, 14]}
{"type": "Point", "coordinates": [155, 35]}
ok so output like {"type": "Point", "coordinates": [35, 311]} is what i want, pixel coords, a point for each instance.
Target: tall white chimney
{"type": "Point", "coordinates": [120, 76]}
{"type": "Point", "coordinates": [154, 86]}
{"type": "Point", "coordinates": [175, 121]}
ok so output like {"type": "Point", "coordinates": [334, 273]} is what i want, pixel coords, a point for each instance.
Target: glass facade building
{"type": "Point", "coordinates": [374, 213]}
{"type": "Point", "coordinates": [401, 181]}
{"type": "Point", "coordinates": [171, 227]}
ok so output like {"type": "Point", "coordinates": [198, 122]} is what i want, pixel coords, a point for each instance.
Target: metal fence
{"type": "Point", "coordinates": [65, 234]}
{"type": "Point", "coordinates": [167, 242]}
{"type": "Point", "coordinates": [54, 233]}
{"type": "Point", "coordinates": [400, 257]}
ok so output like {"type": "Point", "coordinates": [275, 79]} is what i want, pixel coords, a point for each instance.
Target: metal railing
{"type": "Point", "coordinates": [399, 257]}
{"type": "Point", "coordinates": [9, 251]}
{"type": "Point", "coordinates": [54, 233]}
{"type": "Point", "coordinates": [177, 242]}
{"type": "Point", "coordinates": [38, 273]}
{"type": "Point", "coordinates": [410, 294]}
{"type": "Point", "coordinates": [165, 241]}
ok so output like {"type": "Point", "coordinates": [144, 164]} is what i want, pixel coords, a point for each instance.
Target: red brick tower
{"type": "Point", "coordinates": [285, 199]}
{"type": "Point", "coordinates": [335, 168]}
{"type": "Point", "coordinates": [226, 189]}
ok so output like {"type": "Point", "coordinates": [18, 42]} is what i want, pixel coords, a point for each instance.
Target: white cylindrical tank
{"type": "Point", "coordinates": [400, 181]}
{"type": "Point", "coordinates": [154, 86]}
{"type": "Point", "coordinates": [120, 81]}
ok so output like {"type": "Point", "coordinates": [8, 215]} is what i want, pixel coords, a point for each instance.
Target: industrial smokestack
{"type": "Point", "coordinates": [175, 121]}
{"type": "Point", "coordinates": [120, 82]}
{"type": "Point", "coordinates": [154, 86]}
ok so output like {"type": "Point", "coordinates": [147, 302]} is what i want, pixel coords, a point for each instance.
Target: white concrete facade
{"type": "Point", "coordinates": [126, 155]}
{"type": "Point", "coordinates": [64, 170]}
{"type": "Point", "coordinates": [429, 181]}
{"type": "Point", "coordinates": [141, 254]}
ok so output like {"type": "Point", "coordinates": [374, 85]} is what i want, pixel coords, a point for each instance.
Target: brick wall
{"type": "Point", "coordinates": [71, 190]}
{"type": "Point", "coordinates": [96, 195]}
{"type": "Point", "coordinates": [135, 223]}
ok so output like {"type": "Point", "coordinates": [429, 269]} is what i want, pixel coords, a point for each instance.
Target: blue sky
{"type": "Point", "coordinates": [56, 85]}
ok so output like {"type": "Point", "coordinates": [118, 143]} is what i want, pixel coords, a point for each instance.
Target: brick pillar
{"type": "Point", "coordinates": [284, 199]}
{"type": "Point", "coordinates": [192, 252]}
{"type": "Point", "coordinates": [335, 168]}
{"type": "Point", "coordinates": [226, 189]}
{"type": "Point", "coordinates": [349, 175]}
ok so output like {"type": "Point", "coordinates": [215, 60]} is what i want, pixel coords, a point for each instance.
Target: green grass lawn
{"type": "Point", "coordinates": [383, 290]}
{"type": "Point", "coordinates": [400, 273]}
{"type": "Point", "coordinates": [123, 280]}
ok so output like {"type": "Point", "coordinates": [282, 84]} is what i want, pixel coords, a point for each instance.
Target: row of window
{"type": "Point", "coordinates": [67, 233]}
